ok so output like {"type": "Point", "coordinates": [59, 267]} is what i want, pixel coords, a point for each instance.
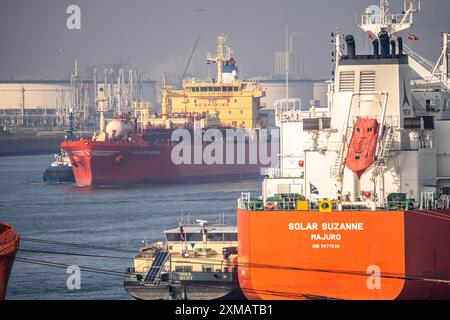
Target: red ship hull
{"type": "Point", "coordinates": [9, 244]}
{"type": "Point", "coordinates": [99, 163]}
{"type": "Point", "coordinates": [390, 255]}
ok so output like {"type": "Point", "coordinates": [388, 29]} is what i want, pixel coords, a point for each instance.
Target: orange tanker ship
{"type": "Point", "coordinates": [388, 255]}
{"type": "Point", "coordinates": [376, 225]}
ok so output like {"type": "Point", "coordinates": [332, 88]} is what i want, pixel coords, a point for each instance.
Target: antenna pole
{"type": "Point", "coordinates": [287, 64]}
{"type": "Point", "coordinates": [384, 7]}
{"type": "Point", "coordinates": [445, 52]}
{"type": "Point", "coordinates": [189, 60]}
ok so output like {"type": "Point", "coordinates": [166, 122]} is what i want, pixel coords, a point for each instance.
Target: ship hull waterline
{"type": "Point", "coordinates": [387, 255]}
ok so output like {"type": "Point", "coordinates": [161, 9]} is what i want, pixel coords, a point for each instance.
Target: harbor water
{"type": "Point", "coordinates": [113, 218]}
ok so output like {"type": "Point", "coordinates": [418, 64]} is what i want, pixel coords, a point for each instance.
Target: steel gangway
{"type": "Point", "coordinates": [156, 267]}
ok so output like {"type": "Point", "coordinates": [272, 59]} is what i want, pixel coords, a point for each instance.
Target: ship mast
{"type": "Point", "coordinates": [101, 102]}
{"type": "Point", "coordinates": [220, 57]}
{"type": "Point", "coordinates": [377, 19]}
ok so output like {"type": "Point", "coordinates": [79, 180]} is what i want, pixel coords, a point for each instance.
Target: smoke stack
{"type": "Point", "coordinates": [400, 46]}
{"type": "Point", "coordinates": [393, 48]}
{"type": "Point", "coordinates": [351, 47]}
{"type": "Point", "coordinates": [384, 43]}
{"type": "Point", "coordinates": [376, 48]}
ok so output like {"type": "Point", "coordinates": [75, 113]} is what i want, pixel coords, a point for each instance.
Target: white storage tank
{"type": "Point", "coordinates": [119, 129]}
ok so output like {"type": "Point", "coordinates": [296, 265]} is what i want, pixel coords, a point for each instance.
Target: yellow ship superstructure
{"type": "Point", "coordinates": [228, 100]}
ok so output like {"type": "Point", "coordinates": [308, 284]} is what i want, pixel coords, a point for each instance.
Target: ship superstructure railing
{"type": "Point", "coordinates": [273, 173]}
{"type": "Point", "coordinates": [434, 200]}
{"type": "Point", "coordinates": [291, 110]}
{"type": "Point", "coordinates": [235, 83]}
{"type": "Point", "coordinates": [371, 19]}
{"type": "Point", "coordinates": [294, 202]}
{"type": "Point", "coordinates": [300, 115]}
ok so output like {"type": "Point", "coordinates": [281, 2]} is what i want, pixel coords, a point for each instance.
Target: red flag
{"type": "Point", "coordinates": [413, 37]}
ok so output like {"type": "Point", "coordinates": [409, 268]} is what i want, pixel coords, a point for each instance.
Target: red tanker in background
{"type": "Point", "coordinates": [129, 155]}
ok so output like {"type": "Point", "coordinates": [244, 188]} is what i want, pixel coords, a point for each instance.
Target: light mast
{"type": "Point", "coordinates": [220, 57]}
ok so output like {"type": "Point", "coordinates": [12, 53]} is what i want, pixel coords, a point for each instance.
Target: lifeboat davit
{"type": "Point", "coordinates": [363, 146]}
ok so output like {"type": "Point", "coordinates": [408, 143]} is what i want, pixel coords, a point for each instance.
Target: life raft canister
{"type": "Point", "coordinates": [326, 206]}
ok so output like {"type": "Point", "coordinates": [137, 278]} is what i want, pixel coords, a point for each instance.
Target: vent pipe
{"type": "Point", "coordinates": [400, 46]}
{"type": "Point", "coordinates": [351, 47]}
{"type": "Point", "coordinates": [384, 43]}
{"type": "Point", "coordinates": [376, 48]}
{"type": "Point", "coordinates": [393, 45]}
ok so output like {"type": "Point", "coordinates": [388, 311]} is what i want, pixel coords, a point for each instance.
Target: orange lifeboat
{"type": "Point", "coordinates": [363, 145]}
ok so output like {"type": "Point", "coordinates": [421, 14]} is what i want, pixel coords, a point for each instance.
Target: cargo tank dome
{"type": "Point", "coordinates": [119, 128]}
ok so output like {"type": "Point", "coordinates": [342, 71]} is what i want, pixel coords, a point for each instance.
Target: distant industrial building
{"type": "Point", "coordinates": [295, 67]}
{"type": "Point", "coordinates": [289, 63]}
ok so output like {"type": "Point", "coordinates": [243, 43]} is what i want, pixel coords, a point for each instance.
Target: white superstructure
{"type": "Point", "coordinates": [412, 145]}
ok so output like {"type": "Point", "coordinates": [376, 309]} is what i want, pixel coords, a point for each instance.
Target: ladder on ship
{"type": "Point", "coordinates": [384, 152]}
{"type": "Point", "coordinates": [339, 161]}
{"type": "Point", "coordinates": [155, 269]}
{"type": "Point", "coordinates": [244, 201]}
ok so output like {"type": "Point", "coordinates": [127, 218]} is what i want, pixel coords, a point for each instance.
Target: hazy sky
{"type": "Point", "coordinates": [158, 35]}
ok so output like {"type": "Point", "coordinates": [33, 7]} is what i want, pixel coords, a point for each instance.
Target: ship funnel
{"type": "Point", "coordinates": [400, 46]}
{"type": "Point", "coordinates": [393, 45]}
{"type": "Point", "coordinates": [376, 48]}
{"type": "Point", "coordinates": [384, 43]}
{"type": "Point", "coordinates": [351, 46]}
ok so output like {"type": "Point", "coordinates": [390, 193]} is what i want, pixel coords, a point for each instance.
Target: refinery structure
{"type": "Point", "coordinates": [27, 105]}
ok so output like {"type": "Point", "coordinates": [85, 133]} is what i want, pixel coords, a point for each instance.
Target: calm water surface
{"type": "Point", "coordinates": [109, 217]}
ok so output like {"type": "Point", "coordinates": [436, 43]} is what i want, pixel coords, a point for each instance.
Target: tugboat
{"type": "Point", "coordinates": [196, 262]}
{"type": "Point", "coordinates": [9, 244]}
{"type": "Point", "coordinates": [60, 170]}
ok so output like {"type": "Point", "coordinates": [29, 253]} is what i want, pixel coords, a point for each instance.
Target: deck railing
{"type": "Point", "coordinates": [429, 201]}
